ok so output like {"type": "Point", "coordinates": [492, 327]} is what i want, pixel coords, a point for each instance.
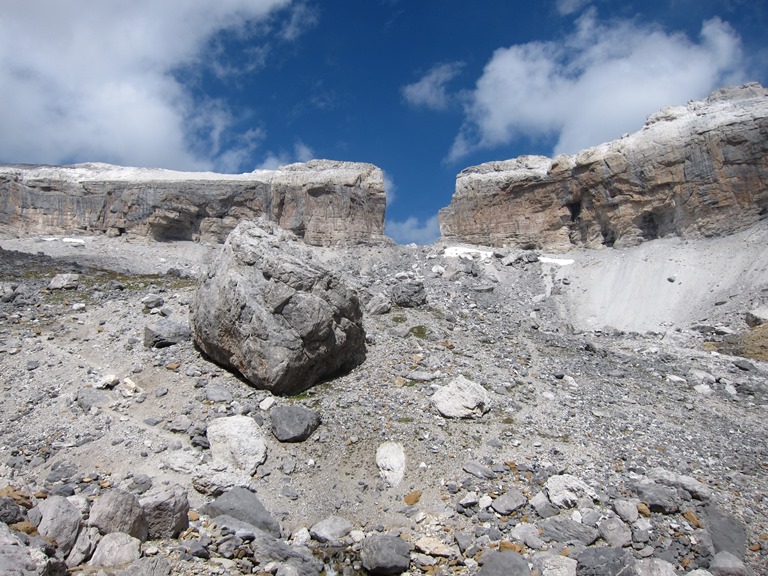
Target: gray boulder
{"type": "Point", "coordinates": [509, 502]}
{"type": "Point", "coordinates": [119, 511]}
{"type": "Point", "coordinates": [60, 521]}
{"type": "Point", "coordinates": [604, 562]}
{"type": "Point", "coordinates": [385, 555]}
{"type": "Point", "coordinates": [293, 423]}
{"type": "Point", "coordinates": [64, 282]}
{"type": "Point", "coordinates": [243, 505]}
{"type": "Point", "coordinates": [116, 549]}
{"type": "Point", "coordinates": [729, 534]}
{"type": "Point", "coordinates": [238, 442]}
{"type": "Point", "coordinates": [506, 563]}
{"type": "Point", "coordinates": [268, 311]}
{"type": "Point", "coordinates": [410, 294]}
{"type": "Point", "coordinates": [562, 529]}
{"type": "Point", "coordinates": [166, 512]}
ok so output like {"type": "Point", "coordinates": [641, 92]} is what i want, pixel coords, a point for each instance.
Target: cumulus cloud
{"type": "Point", "coordinates": [430, 91]}
{"type": "Point", "coordinates": [598, 82]}
{"type": "Point", "coordinates": [301, 153]}
{"type": "Point", "coordinates": [94, 80]}
{"type": "Point", "coordinates": [412, 230]}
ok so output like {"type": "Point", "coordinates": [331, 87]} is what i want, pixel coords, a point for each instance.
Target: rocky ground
{"type": "Point", "coordinates": [599, 439]}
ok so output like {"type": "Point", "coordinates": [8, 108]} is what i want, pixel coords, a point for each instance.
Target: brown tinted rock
{"type": "Point", "coordinates": [693, 171]}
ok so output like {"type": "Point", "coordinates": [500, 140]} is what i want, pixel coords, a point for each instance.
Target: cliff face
{"type": "Point", "coordinates": [324, 202]}
{"type": "Point", "coordinates": [692, 171]}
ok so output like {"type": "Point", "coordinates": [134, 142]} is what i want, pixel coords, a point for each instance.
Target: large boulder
{"type": "Point", "coordinates": [268, 311]}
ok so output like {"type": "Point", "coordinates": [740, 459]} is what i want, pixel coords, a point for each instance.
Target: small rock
{"type": "Point", "coordinates": [64, 282]}
{"type": "Point", "coordinates": [461, 398]}
{"type": "Point", "coordinates": [331, 529]}
{"type": "Point", "coordinates": [390, 458]}
{"type": "Point", "coordinates": [509, 502]}
{"type": "Point", "coordinates": [506, 563]}
{"type": "Point", "coordinates": [293, 423]}
{"type": "Point", "coordinates": [237, 441]}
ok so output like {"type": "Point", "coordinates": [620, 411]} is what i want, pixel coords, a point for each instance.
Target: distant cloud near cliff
{"type": "Point", "coordinates": [598, 82]}
{"type": "Point", "coordinates": [430, 91]}
{"type": "Point", "coordinates": [105, 80]}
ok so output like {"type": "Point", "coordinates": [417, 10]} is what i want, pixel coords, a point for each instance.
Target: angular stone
{"type": "Point", "coordinates": [116, 549]}
{"type": "Point", "coordinates": [728, 532]}
{"type": "Point", "coordinates": [64, 282]}
{"type": "Point", "coordinates": [510, 501]}
{"type": "Point", "coordinates": [659, 499]}
{"type": "Point", "coordinates": [148, 566]}
{"type": "Point", "coordinates": [166, 512]}
{"type": "Point", "coordinates": [385, 555]}
{"type": "Point", "coordinates": [461, 398]}
{"type": "Point", "coordinates": [84, 547]}
{"type": "Point", "coordinates": [615, 532]}
{"type": "Point", "coordinates": [654, 567]}
{"type": "Point", "coordinates": [238, 442]}
{"type": "Point", "coordinates": [726, 564]}
{"type": "Point", "coordinates": [271, 312]}
{"type": "Point", "coordinates": [552, 565]}
{"type": "Point", "coordinates": [561, 529]}
{"type": "Point", "coordinates": [565, 490]}
{"type": "Point", "coordinates": [543, 506]}
{"type": "Point", "coordinates": [119, 511]}
{"type": "Point", "coordinates": [243, 505]}
{"type": "Point", "coordinates": [757, 316]}
{"type": "Point", "coordinates": [331, 529]}
{"type": "Point", "coordinates": [164, 333]}
{"type": "Point", "coordinates": [409, 294]}
{"type": "Point", "coordinates": [390, 458]}
{"type": "Point", "coordinates": [379, 304]}
{"type": "Point", "coordinates": [60, 521]}
{"type": "Point", "coordinates": [506, 563]}
{"type": "Point", "coordinates": [293, 423]}
{"type": "Point", "coordinates": [604, 562]}
{"type": "Point", "coordinates": [527, 534]}
{"type": "Point", "coordinates": [10, 513]}
{"type": "Point", "coordinates": [476, 469]}
{"type": "Point", "coordinates": [626, 510]}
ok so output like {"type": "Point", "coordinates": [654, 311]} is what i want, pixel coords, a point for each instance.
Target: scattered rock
{"type": "Point", "coordinates": [116, 549]}
{"type": "Point", "coordinates": [238, 442]}
{"type": "Point", "coordinates": [119, 511]}
{"type": "Point", "coordinates": [293, 423]}
{"type": "Point", "coordinates": [243, 505]}
{"type": "Point", "coordinates": [385, 555]}
{"type": "Point", "coordinates": [331, 529]}
{"type": "Point", "coordinates": [390, 458]}
{"type": "Point", "coordinates": [461, 398]}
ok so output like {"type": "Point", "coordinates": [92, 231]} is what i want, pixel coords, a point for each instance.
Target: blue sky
{"type": "Point", "coordinates": [421, 88]}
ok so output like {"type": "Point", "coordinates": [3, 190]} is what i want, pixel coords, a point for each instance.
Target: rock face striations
{"type": "Point", "coordinates": [324, 202]}
{"type": "Point", "coordinates": [693, 171]}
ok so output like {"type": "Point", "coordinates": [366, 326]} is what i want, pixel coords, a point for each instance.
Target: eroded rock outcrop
{"type": "Point", "coordinates": [267, 310]}
{"type": "Point", "coordinates": [324, 202]}
{"type": "Point", "coordinates": [694, 171]}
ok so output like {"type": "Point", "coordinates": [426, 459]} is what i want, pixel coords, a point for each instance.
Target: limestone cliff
{"type": "Point", "coordinates": [323, 201]}
{"type": "Point", "coordinates": [692, 171]}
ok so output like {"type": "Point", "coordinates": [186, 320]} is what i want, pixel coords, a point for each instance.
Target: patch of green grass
{"type": "Point", "coordinates": [398, 319]}
{"type": "Point", "coordinates": [508, 420]}
{"type": "Point", "coordinates": [405, 420]}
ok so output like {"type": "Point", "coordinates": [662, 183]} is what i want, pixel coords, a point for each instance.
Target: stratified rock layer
{"type": "Point", "coordinates": [694, 171]}
{"type": "Point", "coordinates": [324, 202]}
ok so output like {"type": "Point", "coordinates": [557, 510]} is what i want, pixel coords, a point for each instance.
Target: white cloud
{"type": "Point", "coordinates": [566, 7]}
{"type": "Point", "coordinates": [597, 83]}
{"type": "Point", "coordinates": [390, 188]}
{"type": "Point", "coordinates": [411, 230]}
{"type": "Point", "coordinates": [430, 91]}
{"type": "Point", "coordinates": [303, 17]}
{"type": "Point", "coordinates": [301, 153]}
{"type": "Point", "coordinates": [94, 80]}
